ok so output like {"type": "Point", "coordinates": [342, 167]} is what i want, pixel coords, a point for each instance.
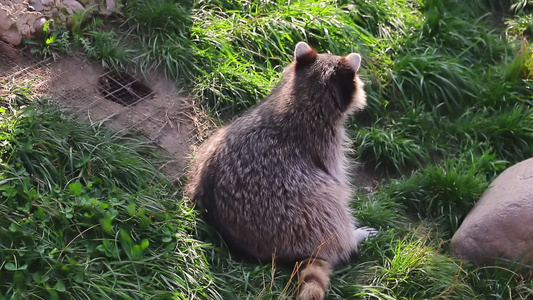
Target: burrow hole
{"type": "Point", "coordinates": [123, 88]}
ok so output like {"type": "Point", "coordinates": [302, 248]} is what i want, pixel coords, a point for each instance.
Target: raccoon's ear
{"type": "Point", "coordinates": [354, 61]}
{"type": "Point", "coordinates": [303, 53]}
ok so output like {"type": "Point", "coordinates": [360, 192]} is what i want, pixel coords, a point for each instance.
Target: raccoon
{"type": "Point", "coordinates": [274, 182]}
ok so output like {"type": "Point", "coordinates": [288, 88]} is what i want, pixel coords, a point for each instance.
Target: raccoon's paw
{"type": "Point", "coordinates": [364, 233]}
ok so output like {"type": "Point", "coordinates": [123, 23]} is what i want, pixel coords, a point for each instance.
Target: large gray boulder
{"type": "Point", "coordinates": [501, 224]}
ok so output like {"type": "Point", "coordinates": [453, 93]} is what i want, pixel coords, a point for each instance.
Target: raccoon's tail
{"type": "Point", "coordinates": [314, 279]}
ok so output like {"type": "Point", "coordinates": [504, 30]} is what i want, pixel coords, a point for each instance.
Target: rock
{"type": "Point", "coordinates": [110, 4]}
{"type": "Point", "coordinates": [25, 29]}
{"type": "Point", "coordinates": [107, 7]}
{"type": "Point", "coordinates": [501, 224]}
{"type": "Point", "coordinates": [73, 4]}
{"type": "Point", "coordinates": [36, 7]}
{"type": "Point", "coordinates": [5, 21]}
{"type": "Point", "coordinates": [89, 4]}
{"type": "Point", "coordinates": [11, 36]}
{"type": "Point", "coordinates": [38, 24]}
{"type": "Point", "coordinates": [47, 2]}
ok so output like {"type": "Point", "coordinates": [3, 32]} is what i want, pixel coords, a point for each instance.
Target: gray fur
{"type": "Point", "coordinates": [274, 181]}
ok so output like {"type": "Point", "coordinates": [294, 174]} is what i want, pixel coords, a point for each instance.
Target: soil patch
{"type": "Point", "coordinates": [150, 105]}
{"type": "Point", "coordinates": [123, 88]}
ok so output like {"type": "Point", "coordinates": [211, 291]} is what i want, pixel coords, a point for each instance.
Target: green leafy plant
{"type": "Point", "coordinates": [51, 41]}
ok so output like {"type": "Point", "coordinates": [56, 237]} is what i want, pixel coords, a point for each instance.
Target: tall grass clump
{"type": "Point", "coordinates": [508, 131]}
{"type": "Point", "coordinates": [378, 210]}
{"type": "Point", "coordinates": [414, 269]}
{"type": "Point", "coordinates": [389, 150]}
{"type": "Point", "coordinates": [435, 81]}
{"type": "Point", "coordinates": [162, 28]}
{"type": "Point", "coordinates": [408, 267]}
{"type": "Point", "coordinates": [497, 282]}
{"type": "Point", "coordinates": [99, 43]}
{"type": "Point", "coordinates": [85, 214]}
{"type": "Point", "coordinates": [445, 192]}
{"type": "Point", "coordinates": [522, 26]}
{"type": "Point", "coordinates": [521, 66]}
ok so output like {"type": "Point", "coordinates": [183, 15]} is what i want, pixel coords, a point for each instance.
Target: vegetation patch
{"type": "Point", "coordinates": [85, 213]}
{"type": "Point", "coordinates": [450, 106]}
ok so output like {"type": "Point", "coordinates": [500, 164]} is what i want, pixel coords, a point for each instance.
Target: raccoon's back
{"type": "Point", "coordinates": [251, 173]}
{"type": "Point", "coordinates": [254, 159]}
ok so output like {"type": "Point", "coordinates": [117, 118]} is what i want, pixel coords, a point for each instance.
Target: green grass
{"type": "Point", "coordinates": [444, 192]}
{"type": "Point", "coordinates": [389, 149]}
{"type": "Point", "coordinates": [85, 214]}
{"type": "Point", "coordinates": [450, 106]}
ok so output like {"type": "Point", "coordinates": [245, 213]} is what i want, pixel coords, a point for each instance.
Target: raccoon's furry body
{"type": "Point", "coordinates": [274, 182]}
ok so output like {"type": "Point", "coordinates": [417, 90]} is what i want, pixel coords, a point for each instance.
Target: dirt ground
{"type": "Point", "coordinates": [149, 105]}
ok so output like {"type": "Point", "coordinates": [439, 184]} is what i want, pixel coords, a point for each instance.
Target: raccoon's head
{"type": "Point", "coordinates": [330, 80]}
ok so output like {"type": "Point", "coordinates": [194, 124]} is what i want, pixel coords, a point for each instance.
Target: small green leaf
{"type": "Point", "coordinates": [112, 213]}
{"type": "Point", "coordinates": [60, 287]}
{"type": "Point", "coordinates": [167, 239]}
{"type": "Point", "coordinates": [10, 192]}
{"type": "Point", "coordinates": [101, 248]}
{"type": "Point", "coordinates": [75, 188]}
{"type": "Point", "coordinates": [106, 225]}
{"type": "Point", "coordinates": [126, 239]}
{"type": "Point", "coordinates": [13, 227]}
{"type": "Point", "coordinates": [51, 39]}
{"type": "Point", "coordinates": [78, 277]}
{"type": "Point", "coordinates": [33, 194]}
{"type": "Point", "coordinates": [144, 244]}
{"type": "Point", "coordinates": [10, 266]}
{"type": "Point", "coordinates": [131, 209]}
{"type": "Point", "coordinates": [127, 243]}
{"type": "Point", "coordinates": [26, 208]}
{"type": "Point", "coordinates": [46, 26]}
{"type": "Point", "coordinates": [53, 294]}
{"type": "Point", "coordinates": [136, 252]}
